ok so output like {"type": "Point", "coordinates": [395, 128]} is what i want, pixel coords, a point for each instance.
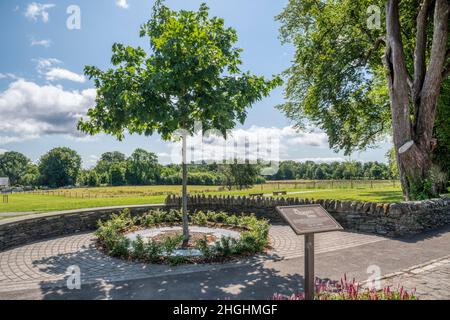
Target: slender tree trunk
{"type": "Point", "coordinates": [413, 141]}
{"type": "Point", "coordinates": [184, 192]}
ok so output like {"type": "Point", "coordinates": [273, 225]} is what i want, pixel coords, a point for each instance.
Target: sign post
{"type": "Point", "coordinates": [309, 266]}
{"type": "Point", "coordinates": [308, 220]}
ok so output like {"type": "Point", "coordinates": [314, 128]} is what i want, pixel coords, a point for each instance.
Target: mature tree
{"type": "Point", "coordinates": [59, 167]}
{"type": "Point", "coordinates": [319, 174]}
{"type": "Point", "coordinates": [117, 174]}
{"type": "Point", "coordinates": [240, 175]}
{"type": "Point", "coordinates": [92, 179]}
{"type": "Point", "coordinates": [31, 175]}
{"type": "Point", "coordinates": [13, 165]}
{"type": "Point", "coordinates": [376, 171]}
{"type": "Point", "coordinates": [392, 164]}
{"type": "Point", "coordinates": [142, 168]}
{"type": "Point", "coordinates": [357, 83]}
{"type": "Point", "coordinates": [191, 74]}
{"type": "Point", "coordinates": [107, 159]}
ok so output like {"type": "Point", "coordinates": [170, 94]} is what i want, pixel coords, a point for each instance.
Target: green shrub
{"type": "Point", "coordinates": [120, 248]}
{"type": "Point", "coordinates": [170, 244]}
{"type": "Point", "coordinates": [177, 260]}
{"type": "Point", "coordinates": [138, 247]}
{"type": "Point", "coordinates": [207, 251]}
{"type": "Point", "coordinates": [254, 237]}
{"type": "Point", "coordinates": [199, 218]}
{"type": "Point", "coordinates": [153, 251]}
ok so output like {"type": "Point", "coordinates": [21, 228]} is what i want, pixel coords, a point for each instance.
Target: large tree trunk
{"type": "Point", "coordinates": [184, 197]}
{"type": "Point", "coordinates": [414, 142]}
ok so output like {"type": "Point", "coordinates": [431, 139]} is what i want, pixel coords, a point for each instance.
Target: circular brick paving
{"type": "Point", "coordinates": [45, 263]}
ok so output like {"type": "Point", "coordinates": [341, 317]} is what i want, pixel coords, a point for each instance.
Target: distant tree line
{"type": "Point", "coordinates": [309, 170]}
{"type": "Point", "coordinates": [63, 167]}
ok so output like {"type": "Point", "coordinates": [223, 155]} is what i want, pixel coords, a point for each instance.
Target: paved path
{"type": "Point", "coordinates": [431, 280]}
{"type": "Point", "coordinates": [15, 214]}
{"type": "Point", "coordinates": [38, 271]}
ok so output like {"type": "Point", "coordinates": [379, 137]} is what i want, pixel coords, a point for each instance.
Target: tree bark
{"type": "Point", "coordinates": [184, 194]}
{"type": "Point", "coordinates": [414, 142]}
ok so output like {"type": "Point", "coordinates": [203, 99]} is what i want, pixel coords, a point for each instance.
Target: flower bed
{"type": "Point", "coordinates": [113, 237]}
{"type": "Point", "coordinates": [350, 290]}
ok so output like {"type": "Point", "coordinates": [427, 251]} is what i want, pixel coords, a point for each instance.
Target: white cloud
{"type": "Point", "coordinates": [122, 4]}
{"type": "Point", "coordinates": [43, 64]}
{"type": "Point", "coordinates": [44, 42]}
{"type": "Point", "coordinates": [321, 159]}
{"type": "Point", "coordinates": [90, 161]}
{"type": "Point", "coordinates": [56, 74]}
{"type": "Point", "coordinates": [267, 143]}
{"type": "Point", "coordinates": [9, 76]}
{"type": "Point", "coordinates": [47, 68]}
{"type": "Point", "coordinates": [30, 111]}
{"type": "Point", "coordinates": [36, 10]}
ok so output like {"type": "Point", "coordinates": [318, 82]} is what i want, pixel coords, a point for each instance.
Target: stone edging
{"type": "Point", "coordinates": [26, 229]}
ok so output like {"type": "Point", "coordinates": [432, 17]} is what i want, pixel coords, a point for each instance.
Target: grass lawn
{"type": "Point", "coordinates": [117, 196]}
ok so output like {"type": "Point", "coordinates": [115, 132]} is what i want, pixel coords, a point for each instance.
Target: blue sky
{"type": "Point", "coordinates": [43, 91]}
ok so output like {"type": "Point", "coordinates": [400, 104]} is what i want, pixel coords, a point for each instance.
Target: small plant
{"type": "Point", "coordinates": [120, 248]}
{"type": "Point", "coordinates": [138, 248]}
{"type": "Point", "coordinates": [350, 290]}
{"type": "Point", "coordinates": [170, 244]}
{"type": "Point", "coordinates": [207, 251]}
{"type": "Point", "coordinates": [177, 260]}
{"type": "Point", "coordinates": [200, 218]}
{"type": "Point", "coordinates": [153, 251]}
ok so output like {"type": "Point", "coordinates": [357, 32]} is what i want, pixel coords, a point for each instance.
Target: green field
{"type": "Point", "coordinates": [116, 196]}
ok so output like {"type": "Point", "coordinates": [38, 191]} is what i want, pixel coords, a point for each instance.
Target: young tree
{"type": "Point", "coordinates": [191, 74]}
{"type": "Point", "coordinates": [59, 167]}
{"type": "Point", "coordinates": [358, 83]}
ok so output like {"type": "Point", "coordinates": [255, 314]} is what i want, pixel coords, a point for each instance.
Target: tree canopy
{"type": "Point", "coordinates": [59, 167]}
{"type": "Point", "coordinates": [13, 165]}
{"type": "Point", "coordinates": [192, 73]}
{"type": "Point", "coordinates": [359, 83]}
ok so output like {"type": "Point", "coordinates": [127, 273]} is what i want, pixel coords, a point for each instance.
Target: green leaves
{"type": "Point", "coordinates": [335, 81]}
{"type": "Point", "coordinates": [191, 74]}
{"type": "Point", "coordinates": [59, 167]}
{"type": "Point", "coordinates": [14, 165]}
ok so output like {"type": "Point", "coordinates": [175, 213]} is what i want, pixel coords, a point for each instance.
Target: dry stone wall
{"type": "Point", "coordinates": [389, 219]}
{"type": "Point", "coordinates": [394, 220]}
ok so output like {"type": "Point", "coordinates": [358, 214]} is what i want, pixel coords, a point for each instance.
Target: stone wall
{"type": "Point", "coordinates": [393, 220]}
{"type": "Point", "coordinates": [19, 231]}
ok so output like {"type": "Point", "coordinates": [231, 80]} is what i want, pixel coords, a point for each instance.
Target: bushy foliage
{"type": "Point", "coordinates": [310, 170]}
{"type": "Point", "coordinates": [13, 165]}
{"type": "Point", "coordinates": [59, 167]}
{"type": "Point", "coordinates": [111, 235]}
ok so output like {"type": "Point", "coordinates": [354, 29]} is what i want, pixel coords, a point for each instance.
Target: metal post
{"type": "Point", "coordinates": [309, 266]}
{"type": "Point", "coordinates": [184, 192]}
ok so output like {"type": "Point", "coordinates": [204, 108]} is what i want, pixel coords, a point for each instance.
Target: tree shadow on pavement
{"type": "Point", "coordinates": [235, 281]}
